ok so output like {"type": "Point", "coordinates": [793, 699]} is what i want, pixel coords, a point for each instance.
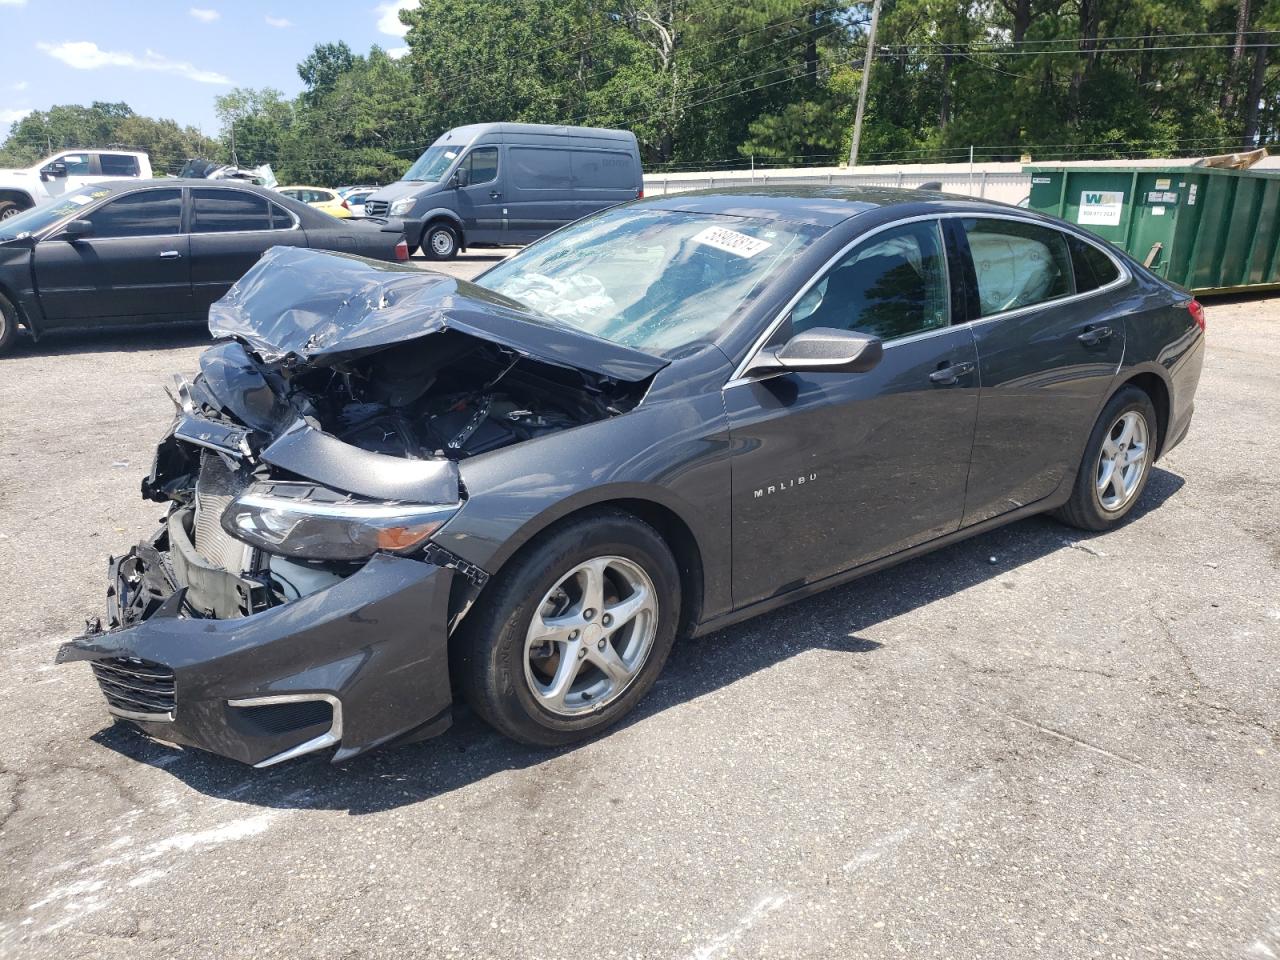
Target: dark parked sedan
{"type": "Point", "coordinates": [149, 251]}
{"type": "Point", "coordinates": [386, 486]}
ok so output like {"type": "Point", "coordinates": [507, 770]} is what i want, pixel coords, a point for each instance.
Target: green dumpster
{"type": "Point", "coordinates": [1211, 230]}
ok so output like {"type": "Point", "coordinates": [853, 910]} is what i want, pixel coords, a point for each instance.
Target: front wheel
{"type": "Point", "coordinates": [575, 632]}
{"type": "Point", "coordinates": [8, 324]}
{"type": "Point", "coordinates": [1117, 462]}
{"type": "Point", "coordinates": [9, 209]}
{"type": "Point", "coordinates": [440, 242]}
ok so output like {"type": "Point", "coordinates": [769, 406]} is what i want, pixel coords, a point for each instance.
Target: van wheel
{"type": "Point", "coordinates": [9, 209]}
{"type": "Point", "coordinates": [440, 242]}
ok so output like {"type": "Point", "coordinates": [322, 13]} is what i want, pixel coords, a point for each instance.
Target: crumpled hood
{"type": "Point", "coordinates": [323, 307]}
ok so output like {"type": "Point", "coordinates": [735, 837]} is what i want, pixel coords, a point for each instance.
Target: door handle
{"type": "Point", "coordinates": [1093, 335]}
{"type": "Point", "coordinates": [494, 194]}
{"type": "Point", "coordinates": [950, 373]}
{"type": "Point", "coordinates": [170, 255]}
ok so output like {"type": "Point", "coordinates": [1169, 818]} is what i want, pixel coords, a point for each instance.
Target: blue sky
{"type": "Point", "coordinates": [170, 59]}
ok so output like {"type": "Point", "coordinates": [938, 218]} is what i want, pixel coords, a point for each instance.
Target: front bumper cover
{"type": "Point", "coordinates": [373, 647]}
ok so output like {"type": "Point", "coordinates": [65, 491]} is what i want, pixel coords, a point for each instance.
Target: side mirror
{"type": "Point", "coordinates": [461, 177]}
{"type": "Point", "coordinates": [74, 230]}
{"type": "Point", "coordinates": [822, 348]}
{"type": "Point", "coordinates": [56, 169]}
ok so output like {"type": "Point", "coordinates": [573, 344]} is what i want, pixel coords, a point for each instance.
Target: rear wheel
{"type": "Point", "coordinates": [1117, 462]}
{"type": "Point", "coordinates": [440, 242]}
{"type": "Point", "coordinates": [9, 209]}
{"type": "Point", "coordinates": [574, 632]}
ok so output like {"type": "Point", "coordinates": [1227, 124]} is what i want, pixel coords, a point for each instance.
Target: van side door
{"type": "Point", "coordinates": [479, 196]}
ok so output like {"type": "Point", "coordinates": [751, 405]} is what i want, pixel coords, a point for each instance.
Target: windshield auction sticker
{"type": "Point", "coordinates": [731, 241]}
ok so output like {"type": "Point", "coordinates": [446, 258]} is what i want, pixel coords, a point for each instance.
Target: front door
{"type": "Point", "coordinates": [133, 266]}
{"type": "Point", "coordinates": [480, 200]}
{"type": "Point", "coordinates": [1047, 358]}
{"type": "Point", "coordinates": [833, 470]}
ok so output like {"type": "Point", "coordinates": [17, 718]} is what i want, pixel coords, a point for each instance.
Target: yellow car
{"type": "Point", "coordinates": [321, 198]}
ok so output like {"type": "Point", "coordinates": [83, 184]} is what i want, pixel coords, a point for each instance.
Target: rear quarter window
{"type": "Point", "coordinates": [539, 168]}
{"type": "Point", "coordinates": [1093, 268]}
{"type": "Point", "coordinates": [604, 170]}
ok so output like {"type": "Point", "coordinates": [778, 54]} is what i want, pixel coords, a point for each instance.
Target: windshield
{"type": "Point", "coordinates": [46, 214]}
{"type": "Point", "coordinates": [648, 278]}
{"type": "Point", "coordinates": [432, 164]}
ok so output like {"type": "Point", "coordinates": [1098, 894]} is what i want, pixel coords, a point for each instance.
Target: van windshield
{"type": "Point", "coordinates": [652, 279]}
{"type": "Point", "coordinates": [431, 166]}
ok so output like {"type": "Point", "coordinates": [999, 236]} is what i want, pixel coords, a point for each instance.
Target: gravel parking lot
{"type": "Point", "coordinates": [1034, 743]}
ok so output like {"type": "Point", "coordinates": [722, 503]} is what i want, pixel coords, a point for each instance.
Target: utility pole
{"type": "Point", "coordinates": [866, 79]}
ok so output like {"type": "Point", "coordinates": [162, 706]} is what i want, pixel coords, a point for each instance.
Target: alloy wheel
{"type": "Point", "coordinates": [1122, 461]}
{"type": "Point", "coordinates": [590, 636]}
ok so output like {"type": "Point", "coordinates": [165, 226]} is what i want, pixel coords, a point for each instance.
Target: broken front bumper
{"type": "Point", "coordinates": [355, 665]}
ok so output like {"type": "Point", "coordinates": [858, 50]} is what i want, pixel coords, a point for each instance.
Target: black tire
{"type": "Point", "coordinates": [488, 652]}
{"type": "Point", "coordinates": [9, 209]}
{"type": "Point", "coordinates": [440, 242]}
{"type": "Point", "coordinates": [8, 324]}
{"type": "Point", "coordinates": [1085, 509]}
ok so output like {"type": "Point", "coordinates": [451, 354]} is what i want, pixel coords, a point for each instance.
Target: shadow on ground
{"type": "Point", "coordinates": [470, 752]}
{"type": "Point", "coordinates": [133, 339]}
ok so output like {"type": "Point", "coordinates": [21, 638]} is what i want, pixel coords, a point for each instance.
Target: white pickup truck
{"type": "Point", "coordinates": [64, 172]}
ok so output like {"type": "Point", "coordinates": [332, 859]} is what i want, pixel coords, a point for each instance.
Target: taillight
{"type": "Point", "coordinates": [1197, 313]}
{"type": "Point", "coordinates": [640, 194]}
{"type": "Point", "coordinates": [402, 251]}
{"type": "Point", "coordinates": [345, 205]}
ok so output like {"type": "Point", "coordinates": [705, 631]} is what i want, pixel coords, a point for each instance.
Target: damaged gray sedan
{"type": "Point", "coordinates": [387, 487]}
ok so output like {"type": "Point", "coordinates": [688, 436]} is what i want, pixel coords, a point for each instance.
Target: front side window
{"type": "Point", "coordinates": [77, 164]}
{"type": "Point", "coordinates": [892, 286]}
{"type": "Point", "coordinates": [648, 278]}
{"type": "Point", "coordinates": [228, 211]}
{"type": "Point", "coordinates": [1017, 264]}
{"type": "Point", "coordinates": [118, 165]}
{"type": "Point", "coordinates": [147, 213]}
{"type": "Point", "coordinates": [483, 162]}
{"type": "Point", "coordinates": [1093, 268]}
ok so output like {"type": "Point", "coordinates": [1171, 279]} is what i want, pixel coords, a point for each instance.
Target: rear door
{"type": "Point", "coordinates": [832, 470]}
{"type": "Point", "coordinates": [479, 203]}
{"type": "Point", "coordinates": [230, 230]}
{"type": "Point", "coordinates": [134, 265]}
{"type": "Point", "coordinates": [1050, 340]}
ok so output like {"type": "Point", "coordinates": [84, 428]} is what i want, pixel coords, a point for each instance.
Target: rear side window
{"type": "Point", "coordinates": [1093, 268]}
{"type": "Point", "coordinates": [483, 162]}
{"type": "Point", "coordinates": [118, 165]}
{"type": "Point", "coordinates": [604, 170]}
{"type": "Point", "coordinates": [147, 213]}
{"type": "Point", "coordinates": [228, 211]}
{"type": "Point", "coordinates": [1017, 264]}
{"type": "Point", "coordinates": [535, 168]}
{"type": "Point", "coordinates": [892, 286]}
{"type": "Point", "coordinates": [281, 219]}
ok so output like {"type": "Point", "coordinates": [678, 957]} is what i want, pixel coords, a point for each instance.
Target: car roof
{"type": "Point", "coordinates": [303, 186]}
{"type": "Point", "coordinates": [816, 204]}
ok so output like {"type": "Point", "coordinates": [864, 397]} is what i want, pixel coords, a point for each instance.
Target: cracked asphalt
{"type": "Point", "coordinates": [1034, 743]}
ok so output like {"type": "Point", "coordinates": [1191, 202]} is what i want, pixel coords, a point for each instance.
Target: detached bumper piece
{"type": "Point", "coordinates": [352, 666]}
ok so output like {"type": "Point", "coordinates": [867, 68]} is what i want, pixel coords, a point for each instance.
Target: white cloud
{"type": "Point", "coordinates": [87, 55]}
{"type": "Point", "coordinates": [20, 85]}
{"type": "Point", "coordinates": [278, 21]}
{"type": "Point", "coordinates": [12, 116]}
{"type": "Point", "coordinates": [203, 15]}
{"type": "Point", "coordinates": [389, 17]}
{"type": "Point", "coordinates": [13, 3]}
{"type": "Point", "coordinates": [395, 53]}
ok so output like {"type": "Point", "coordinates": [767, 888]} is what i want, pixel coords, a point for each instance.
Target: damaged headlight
{"type": "Point", "coordinates": [314, 523]}
{"type": "Point", "coordinates": [402, 206]}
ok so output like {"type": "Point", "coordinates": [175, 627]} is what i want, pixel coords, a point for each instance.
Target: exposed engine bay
{"type": "Point", "coordinates": [450, 396]}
